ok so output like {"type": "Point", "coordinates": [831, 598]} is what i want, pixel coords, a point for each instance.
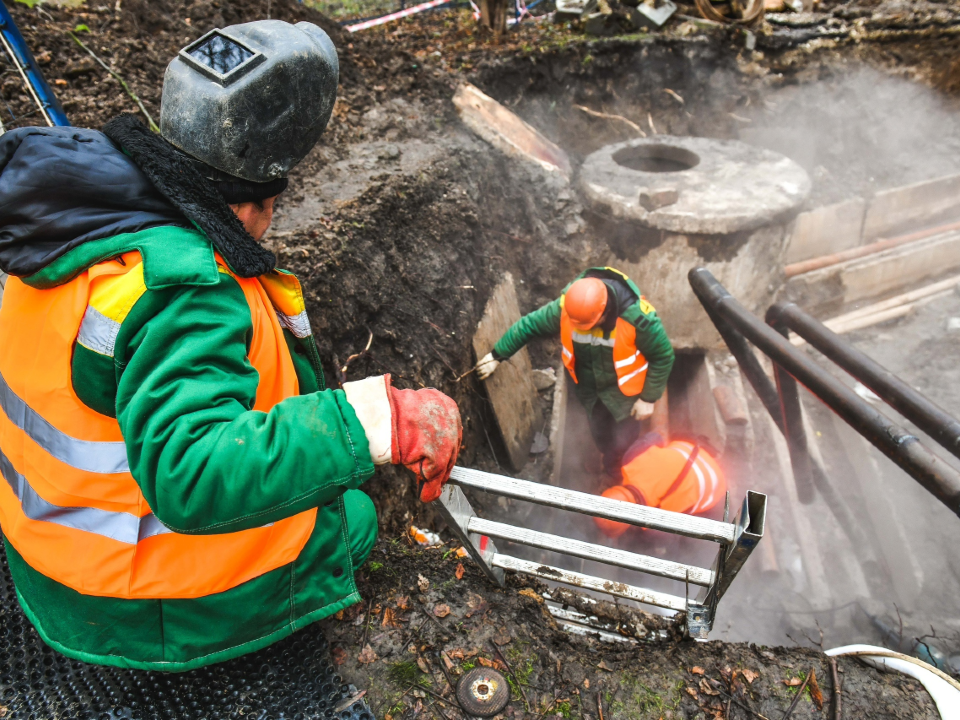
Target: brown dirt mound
{"type": "Point", "coordinates": [422, 627]}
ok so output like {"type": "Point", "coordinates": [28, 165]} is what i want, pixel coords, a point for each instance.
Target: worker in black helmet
{"type": "Point", "coordinates": [178, 488]}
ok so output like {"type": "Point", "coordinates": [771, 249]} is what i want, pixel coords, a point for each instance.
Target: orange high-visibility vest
{"type": "Point", "coordinates": [653, 478]}
{"type": "Point", "coordinates": [628, 362]}
{"type": "Point", "coordinates": [68, 502]}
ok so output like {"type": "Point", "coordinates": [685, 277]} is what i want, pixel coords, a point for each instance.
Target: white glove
{"type": "Point", "coordinates": [486, 366]}
{"type": "Point", "coordinates": [641, 410]}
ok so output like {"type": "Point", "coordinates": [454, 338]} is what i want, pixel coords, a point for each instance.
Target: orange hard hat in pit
{"type": "Point", "coordinates": [585, 302]}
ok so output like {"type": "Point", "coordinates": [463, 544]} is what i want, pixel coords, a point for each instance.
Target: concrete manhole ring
{"type": "Point", "coordinates": [691, 185]}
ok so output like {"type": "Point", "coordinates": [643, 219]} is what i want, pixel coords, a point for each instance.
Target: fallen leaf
{"type": "Point", "coordinates": [749, 675]}
{"type": "Point", "coordinates": [533, 594]}
{"type": "Point", "coordinates": [422, 583]}
{"type": "Point", "coordinates": [376, 609]}
{"type": "Point", "coordinates": [339, 615]}
{"type": "Point", "coordinates": [691, 692]}
{"type": "Point", "coordinates": [586, 683]}
{"type": "Point", "coordinates": [793, 682]}
{"type": "Point", "coordinates": [697, 670]}
{"type": "Point", "coordinates": [447, 661]}
{"type": "Point", "coordinates": [503, 638]}
{"type": "Point", "coordinates": [388, 716]}
{"type": "Point", "coordinates": [481, 609]}
{"type": "Point", "coordinates": [460, 571]}
{"type": "Point", "coordinates": [462, 552]}
{"type": "Point", "coordinates": [441, 611]}
{"type": "Point", "coordinates": [706, 689]}
{"type": "Point", "coordinates": [367, 655]}
{"type": "Point", "coordinates": [495, 664]}
{"type": "Point", "coordinates": [458, 654]}
{"type": "Point", "coordinates": [422, 664]}
{"type": "Point", "coordinates": [338, 655]}
{"type": "Point", "coordinates": [603, 666]}
{"type": "Point", "coordinates": [815, 690]}
{"type": "Point", "coordinates": [403, 602]}
{"type": "Point", "coordinates": [389, 619]}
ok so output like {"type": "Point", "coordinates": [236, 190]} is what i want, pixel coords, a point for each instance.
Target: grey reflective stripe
{"type": "Point", "coordinates": [98, 332]}
{"type": "Point", "coordinates": [120, 526]}
{"type": "Point", "coordinates": [95, 457]}
{"type": "Point", "coordinates": [585, 339]}
{"type": "Point", "coordinates": [298, 324]}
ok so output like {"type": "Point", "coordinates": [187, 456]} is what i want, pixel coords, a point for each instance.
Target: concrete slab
{"type": "Point", "coordinates": [831, 288]}
{"type": "Point", "coordinates": [826, 230]}
{"type": "Point", "coordinates": [902, 209]}
{"type": "Point", "coordinates": [510, 389]}
{"type": "Point", "coordinates": [507, 132]}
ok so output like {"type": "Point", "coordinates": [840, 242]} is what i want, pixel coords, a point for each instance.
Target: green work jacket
{"type": "Point", "coordinates": [594, 363]}
{"type": "Point", "coordinates": [179, 375]}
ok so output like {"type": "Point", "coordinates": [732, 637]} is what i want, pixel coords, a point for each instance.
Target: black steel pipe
{"type": "Point", "coordinates": [893, 441]}
{"type": "Point", "coordinates": [916, 407]}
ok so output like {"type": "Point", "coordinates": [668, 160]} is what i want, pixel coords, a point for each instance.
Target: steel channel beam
{"type": "Point", "coordinates": [588, 582]}
{"type": "Point", "coordinates": [916, 407]}
{"type": "Point", "coordinates": [639, 515]}
{"type": "Point", "coordinates": [750, 524]}
{"type": "Point", "coordinates": [904, 449]}
{"type": "Point", "coordinates": [457, 512]}
{"type": "Point", "coordinates": [590, 551]}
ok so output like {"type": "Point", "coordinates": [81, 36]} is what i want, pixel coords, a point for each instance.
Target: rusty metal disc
{"type": "Point", "coordinates": [483, 692]}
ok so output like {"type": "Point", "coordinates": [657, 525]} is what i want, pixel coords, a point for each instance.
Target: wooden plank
{"type": "Point", "coordinates": [558, 425]}
{"type": "Point", "coordinates": [510, 389]}
{"type": "Point", "coordinates": [911, 207]}
{"type": "Point", "coordinates": [833, 287]}
{"type": "Point", "coordinates": [507, 132]}
{"type": "Point", "coordinates": [826, 230]}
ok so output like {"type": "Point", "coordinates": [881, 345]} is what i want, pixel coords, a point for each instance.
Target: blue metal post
{"type": "Point", "coordinates": [50, 103]}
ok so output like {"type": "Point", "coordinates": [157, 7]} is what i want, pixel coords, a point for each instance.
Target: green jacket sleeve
{"type": "Point", "coordinates": [540, 323]}
{"type": "Point", "coordinates": [205, 462]}
{"type": "Point", "coordinates": [653, 342]}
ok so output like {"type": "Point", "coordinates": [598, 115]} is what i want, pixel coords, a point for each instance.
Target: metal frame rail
{"type": "Point", "coordinates": [739, 328]}
{"type": "Point", "coordinates": [737, 540]}
{"type": "Point", "coordinates": [16, 49]}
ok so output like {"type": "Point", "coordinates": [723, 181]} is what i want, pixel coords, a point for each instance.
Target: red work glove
{"type": "Point", "coordinates": [426, 435]}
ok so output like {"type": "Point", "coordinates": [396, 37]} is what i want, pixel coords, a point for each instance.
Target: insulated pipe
{"type": "Point", "coordinates": [916, 407]}
{"type": "Point", "coordinates": [893, 441]}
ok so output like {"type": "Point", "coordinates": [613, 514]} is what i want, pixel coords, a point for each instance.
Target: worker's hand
{"type": "Point", "coordinates": [641, 410]}
{"type": "Point", "coordinates": [426, 436]}
{"type": "Point", "coordinates": [419, 429]}
{"type": "Point", "coordinates": [488, 363]}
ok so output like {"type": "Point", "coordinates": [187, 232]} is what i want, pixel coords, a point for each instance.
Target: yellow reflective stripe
{"type": "Point", "coordinates": [592, 338]}
{"type": "Point", "coordinates": [111, 299]}
{"type": "Point", "coordinates": [114, 296]}
{"type": "Point", "coordinates": [284, 292]}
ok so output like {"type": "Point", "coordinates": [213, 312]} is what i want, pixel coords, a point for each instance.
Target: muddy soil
{"type": "Point", "coordinates": [425, 623]}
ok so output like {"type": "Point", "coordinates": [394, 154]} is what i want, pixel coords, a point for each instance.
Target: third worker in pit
{"type": "Point", "coordinates": [614, 348]}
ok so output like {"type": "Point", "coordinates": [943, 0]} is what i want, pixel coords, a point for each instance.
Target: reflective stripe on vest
{"type": "Point", "coordinates": [68, 502]}
{"type": "Point", "coordinates": [629, 363]}
{"type": "Point", "coordinates": [654, 474]}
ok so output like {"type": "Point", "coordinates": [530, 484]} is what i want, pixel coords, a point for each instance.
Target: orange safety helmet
{"type": "Point", "coordinates": [585, 302]}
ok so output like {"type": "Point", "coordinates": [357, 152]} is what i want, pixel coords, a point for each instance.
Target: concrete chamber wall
{"type": "Point", "coordinates": [668, 204]}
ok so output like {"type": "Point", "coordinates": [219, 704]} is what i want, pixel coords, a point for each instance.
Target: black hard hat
{"type": "Point", "coordinates": [251, 100]}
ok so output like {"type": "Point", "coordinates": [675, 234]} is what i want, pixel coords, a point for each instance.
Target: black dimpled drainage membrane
{"type": "Point", "coordinates": [290, 680]}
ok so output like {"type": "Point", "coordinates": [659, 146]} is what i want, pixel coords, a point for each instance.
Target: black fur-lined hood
{"type": "Point", "coordinates": [61, 187]}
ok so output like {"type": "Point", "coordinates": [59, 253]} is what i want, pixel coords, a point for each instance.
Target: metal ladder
{"type": "Point", "coordinates": [737, 540]}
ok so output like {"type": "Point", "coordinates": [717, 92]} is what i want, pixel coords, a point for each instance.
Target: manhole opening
{"type": "Point", "coordinates": [656, 158]}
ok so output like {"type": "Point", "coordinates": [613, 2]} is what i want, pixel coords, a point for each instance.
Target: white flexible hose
{"type": "Point", "coordinates": [944, 690]}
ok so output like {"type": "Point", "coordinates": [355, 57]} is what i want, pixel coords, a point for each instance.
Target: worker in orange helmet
{"type": "Point", "coordinates": [683, 476]}
{"type": "Point", "coordinates": [614, 348]}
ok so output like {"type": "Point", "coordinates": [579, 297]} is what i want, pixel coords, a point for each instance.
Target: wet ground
{"type": "Point", "coordinates": [401, 223]}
